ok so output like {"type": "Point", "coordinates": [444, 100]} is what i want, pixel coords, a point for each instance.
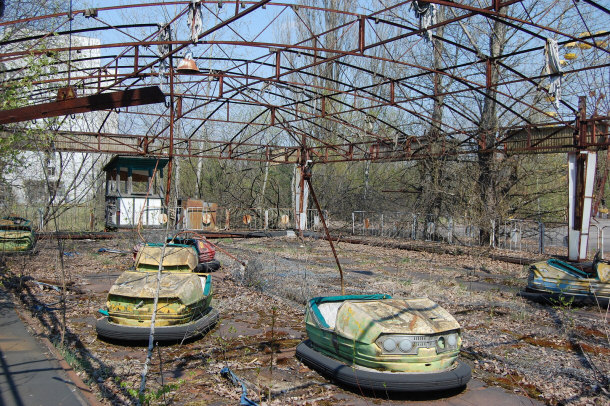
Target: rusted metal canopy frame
{"type": "Point", "coordinates": [387, 103]}
{"type": "Point", "coordinates": [473, 51]}
{"type": "Point", "coordinates": [452, 4]}
{"type": "Point", "coordinates": [363, 150]}
{"type": "Point", "coordinates": [123, 98]}
{"type": "Point", "coordinates": [364, 88]}
{"type": "Point", "coordinates": [513, 81]}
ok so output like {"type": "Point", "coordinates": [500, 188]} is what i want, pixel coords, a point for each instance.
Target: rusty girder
{"type": "Point", "coordinates": [263, 86]}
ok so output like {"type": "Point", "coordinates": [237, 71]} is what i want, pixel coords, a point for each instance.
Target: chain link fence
{"type": "Point", "coordinates": [67, 217]}
{"type": "Point", "coordinates": [515, 235]}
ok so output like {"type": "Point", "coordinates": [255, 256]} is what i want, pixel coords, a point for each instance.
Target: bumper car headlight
{"type": "Point", "coordinates": [405, 345]}
{"type": "Point", "coordinates": [452, 340]}
{"type": "Point", "coordinates": [389, 345]}
{"type": "Point", "coordinates": [440, 343]}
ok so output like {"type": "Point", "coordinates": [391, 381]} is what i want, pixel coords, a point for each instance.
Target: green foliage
{"type": "Point", "coordinates": [563, 302]}
{"type": "Point", "coordinates": [149, 396]}
{"type": "Point", "coordinates": [15, 85]}
{"type": "Point", "coordinates": [77, 361]}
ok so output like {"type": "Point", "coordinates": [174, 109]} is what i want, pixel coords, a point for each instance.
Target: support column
{"type": "Point", "coordinates": [581, 180]}
{"type": "Point", "coordinates": [301, 196]}
{"type": "Point", "coordinates": [171, 130]}
{"type": "Point", "coordinates": [581, 176]}
{"type": "Point", "coordinates": [130, 181]}
{"type": "Point", "coordinates": [301, 193]}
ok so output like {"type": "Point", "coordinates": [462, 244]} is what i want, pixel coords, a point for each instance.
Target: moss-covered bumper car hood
{"type": "Point", "coordinates": [366, 320]}
{"type": "Point", "coordinates": [177, 257]}
{"type": "Point", "coordinates": [15, 234]}
{"type": "Point", "coordinates": [12, 239]}
{"type": "Point", "coordinates": [188, 288]}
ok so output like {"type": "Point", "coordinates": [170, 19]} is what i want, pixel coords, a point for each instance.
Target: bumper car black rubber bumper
{"type": "Point", "coordinates": [554, 298]}
{"type": "Point", "coordinates": [382, 381]}
{"type": "Point", "coordinates": [179, 332]}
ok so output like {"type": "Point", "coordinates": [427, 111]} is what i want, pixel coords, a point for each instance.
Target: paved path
{"type": "Point", "coordinates": [29, 374]}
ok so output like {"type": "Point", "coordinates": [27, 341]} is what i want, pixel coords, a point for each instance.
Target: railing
{"type": "Point", "coordinates": [77, 217]}
{"type": "Point", "coordinates": [514, 235]}
{"type": "Point", "coordinates": [220, 218]}
{"type": "Point", "coordinates": [597, 235]}
{"type": "Point", "coordinates": [414, 226]}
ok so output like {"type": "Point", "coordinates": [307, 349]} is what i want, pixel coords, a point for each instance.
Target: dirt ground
{"type": "Point", "coordinates": [556, 355]}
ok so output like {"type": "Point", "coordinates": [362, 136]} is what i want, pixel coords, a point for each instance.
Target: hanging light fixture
{"type": "Point", "coordinates": [187, 65]}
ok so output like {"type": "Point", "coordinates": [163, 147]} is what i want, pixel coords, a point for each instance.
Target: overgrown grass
{"type": "Point", "coordinates": [149, 396]}
{"type": "Point", "coordinates": [77, 361]}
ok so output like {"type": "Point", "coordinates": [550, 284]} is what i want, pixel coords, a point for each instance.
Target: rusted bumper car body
{"type": "Point", "coordinates": [558, 282]}
{"type": "Point", "coordinates": [184, 307]}
{"type": "Point", "coordinates": [205, 251]}
{"type": "Point", "coordinates": [16, 235]}
{"type": "Point", "coordinates": [378, 343]}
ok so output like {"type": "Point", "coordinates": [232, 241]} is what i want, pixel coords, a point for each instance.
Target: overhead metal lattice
{"type": "Point", "coordinates": [336, 79]}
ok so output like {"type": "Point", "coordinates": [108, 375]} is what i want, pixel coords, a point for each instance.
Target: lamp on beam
{"type": "Point", "coordinates": [187, 65]}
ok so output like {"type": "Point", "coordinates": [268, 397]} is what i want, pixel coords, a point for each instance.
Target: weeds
{"type": "Point", "coordinates": [73, 358]}
{"type": "Point", "coordinates": [149, 396]}
{"type": "Point", "coordinates": [563, 302]}
{"type": "Point", "coordinates": [406, 282]}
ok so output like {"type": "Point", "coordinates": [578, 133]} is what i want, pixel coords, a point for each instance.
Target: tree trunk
{"type": "Point", "coordinates": [488, 127]}
{"type": "Point", "coordinates": [261, 200]}
{"type": "Point", "coordinates": [431, 169]}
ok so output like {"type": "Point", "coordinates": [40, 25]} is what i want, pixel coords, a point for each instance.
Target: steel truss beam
{"type": "Point", "coordinates": [529, 139]}
{"type": "Point", "coordinates": [299, 97]}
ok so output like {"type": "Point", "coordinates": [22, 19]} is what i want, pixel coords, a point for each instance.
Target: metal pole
{"type": "Point", "coordinates": [302, 187]}
{"type": "Point", "coordinates": [171, 130]}
{"type": "Point", "coordinates": [602, 248]}
{"type": "Point", "coordinates": [450, 231]}
{"type": "Point", "coordinates": [330, 241]}
{"type": "Point", "coordinates": [541, 240]}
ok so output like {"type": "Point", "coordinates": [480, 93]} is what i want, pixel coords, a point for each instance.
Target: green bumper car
{"type": "Point", "coordinates": [16, 235]}
{"type": "Point", "coordinates": [559, 282]}
{"type": "Point", "coordinates": [377, 343]}
{"type": "Point", "coordinates": [184, 307]}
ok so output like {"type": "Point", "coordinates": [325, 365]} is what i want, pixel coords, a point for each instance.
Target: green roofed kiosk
{"type": "Point", "coordinates": [128, 200]}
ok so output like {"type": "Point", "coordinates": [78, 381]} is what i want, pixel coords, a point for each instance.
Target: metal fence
{"type": "Point", "coordinates": [415, 227]}
{"type": "Point", "coordinates": [516, 235]}
{"type": "Point", "coordinates": [68, 217]}
{"type": "Point", "coordinates": [89, 217]}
